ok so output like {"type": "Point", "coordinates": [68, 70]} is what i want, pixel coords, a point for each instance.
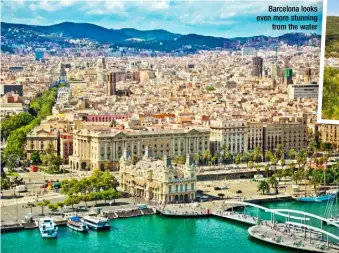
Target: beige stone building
{"type": "Point", "coordinates": [255, 135]}
{"type": "Point", "coordinates": [291, 135]}
{"type": "Point", "coordinates": [330, 134]}
{"type": "Point", "coordinates": [232, 133]}
{"type": "Point", "coordinates": [93, 149]}
{"type": "Point", "coordinates": [158, 180]}
{"type": "Point", "coordinates": [38, 140]}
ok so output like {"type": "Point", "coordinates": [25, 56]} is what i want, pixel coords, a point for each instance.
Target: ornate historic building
{"type": "Point", "coordinates": [93, 148]}
{"type": "Point", "coordinates": [158, 180]}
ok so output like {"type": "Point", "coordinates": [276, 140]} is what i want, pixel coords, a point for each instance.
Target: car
{"type": "Point", "coordinates": [238, 191]}
{"type": "Point", "coordinates": [224, 188]}
{"type": "Point", "coordinates": [200, 191]}
{"type": "Point", "coordinates": [217, 188]}
{"type": "Point", "coordinates": [204, 198]}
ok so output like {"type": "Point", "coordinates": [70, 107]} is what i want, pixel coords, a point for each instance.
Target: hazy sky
{"type": "Point", "coordinates": [333, 7]}
{"type": "Point", "coordinates": [230, 18]}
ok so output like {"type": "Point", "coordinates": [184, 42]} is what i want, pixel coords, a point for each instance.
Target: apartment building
{"type": "Point", "coordinates": [330, 134]}
{"type": "Point", "coordinates": [232, 133]}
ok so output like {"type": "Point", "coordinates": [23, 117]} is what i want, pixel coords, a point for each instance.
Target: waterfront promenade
{"type": "Point", "coordinates": [295, 239]}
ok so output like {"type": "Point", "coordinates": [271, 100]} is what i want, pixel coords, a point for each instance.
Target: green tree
{"type": "Point", "coordinates": [30, 205]}
{"type": "Point", "coordinates": [43, 204]}
{"type": "Point", "coordinates": [206, 155]}
{"type": "Point", "coordinates": [264, 187]}
{"type": "Point", "coordinates": [35, 157]}
{"type": "Point", "coordinates": [291, 153]}
{"type": "Point", "coordinates": [11, 160]}
{"type": "Point", "coordinates": [297, 176]}
{"type": "Point", "coordinates": [5, 185]}
{"type": "Point", "coordinates": [237, 159]}
{"type": "Point", "coordinates": [267, 170]}
{"type": "Point", "coordinates": [53, 207]}
{"type": "Point", "coordinates": [274, 183]}
{"type": "Point", "coordinates": [71, 201]}
{"type": "Point", "coordinates": [197, 158]}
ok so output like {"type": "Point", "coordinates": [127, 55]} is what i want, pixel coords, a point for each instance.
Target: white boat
{"type": "Point", "coordinates": [96, 223]}
{"type": "Point", "coordinates": [48, 228]}
{"type": "Point", "coordinates": [76, 224]}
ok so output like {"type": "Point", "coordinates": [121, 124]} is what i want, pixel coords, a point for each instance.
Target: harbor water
{"type": "Point", "coordinates": [154, 233]}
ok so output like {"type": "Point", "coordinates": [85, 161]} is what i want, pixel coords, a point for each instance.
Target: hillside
{"type": "Point", "coordinates": [332, 37]}
{"type": "Point", "coordinates": [159, 39]}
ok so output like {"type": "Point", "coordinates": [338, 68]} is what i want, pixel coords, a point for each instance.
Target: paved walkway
{"type": "Point", "coordinates": [279, 235]}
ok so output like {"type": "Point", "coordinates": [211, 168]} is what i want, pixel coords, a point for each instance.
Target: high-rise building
{"type": "Point", "coordinates": [39, 55]}
{"type": "Point", "coordinates": [288, 74]}
{"type": "Point", "coordinates": [63, 74]}
{"type": "Point", "coordinates": [307, 75]}
{"type": "Point", "coordinates": [111, 81]}
{"type": "Point", "coordinates": [111, 84]}
{"type": "Point", "coordinates": [257, 68]}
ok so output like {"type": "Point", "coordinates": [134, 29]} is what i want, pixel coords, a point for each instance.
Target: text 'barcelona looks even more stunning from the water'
{"type": "Point", "coordinates": [196, 121]}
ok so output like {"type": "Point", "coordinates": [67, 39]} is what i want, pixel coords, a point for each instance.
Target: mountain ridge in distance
{"type": "Point", "coordinates": [157, 39]}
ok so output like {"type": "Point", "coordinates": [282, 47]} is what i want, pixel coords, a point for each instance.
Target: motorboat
{"type": "Point", "coordinates": [96, 222]}
{"type": "Point", "coordinates": [76, 224]}
{"type": "Point", "coordinates": [320, 198]}
{"type": "Point", "coordinates": [48, 228]}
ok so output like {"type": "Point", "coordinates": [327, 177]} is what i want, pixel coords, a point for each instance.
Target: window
{"type": "Point", "coordinates": [192, 187]}
{"type": "Point", "coordinates": [170, 188]}
{"type": "Point", "coordinates": [176, 188]}
{"type": "Point", "coordinates": [185, 187]}
{"type": "Point", "coordinates": [181, 188]}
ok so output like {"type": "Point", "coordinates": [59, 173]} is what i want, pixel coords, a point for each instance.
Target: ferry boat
{"type": "Point", "coordinates": [96, 223]}
{"type": "Point", "coordinates": [319, 198]}
{"type": "Point", "coordinates": [76, 224]}
{"type": "Point", "coordinates": [48, 228]}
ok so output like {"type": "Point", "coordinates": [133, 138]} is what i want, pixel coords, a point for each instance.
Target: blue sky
{"type": "Point", "coordinates": [333, 7]}
{"type": "Point", "coordinates": [229, 18]}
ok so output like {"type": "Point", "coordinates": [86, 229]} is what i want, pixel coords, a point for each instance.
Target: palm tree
{"type": "Point", "coordinates": [268, 156]}
{"type": "Point", "coordinates": [291, 153]}
{"type": "Point", "coordinates": [267, 170]}
{"type": "Point", "coordinates": [237, 159]}
{"type": "Point", "coordinates": [206, 155]}
{"type": "Point", "coordinates": [274, 183]}
{"type": "Point", "coordinates": [197, 157]}
{"type": "Point", "coordinates": [256, 154]}
{"type": "Point", "coordinates": [214, 159]}
{"type": "Point", "coordinates": [274, 161]}
{"type": "Point", "coordinates": [250, 165]}
{"type": "Point", "coordinates": [279, 151]}
{"type": "Point", "coordinates": [285, 173]}
{"type": "Point", "coordinates": [228, 155]}
{"type": "Point", "coordinates": [282, 162]}
{"type": "Point", "coordinates": [297, 176]}
{"type": "Point", "coordinates": [263, 186]}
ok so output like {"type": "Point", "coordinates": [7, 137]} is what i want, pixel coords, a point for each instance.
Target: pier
{"type": "Point", "coordinates": [297, 235]}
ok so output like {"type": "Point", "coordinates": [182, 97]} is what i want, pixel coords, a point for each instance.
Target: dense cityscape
{"type": "Point", "coordinates": [96, 129]}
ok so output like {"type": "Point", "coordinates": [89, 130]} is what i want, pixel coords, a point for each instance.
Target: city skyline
{"type": "Point", "coordinates": [215, 18]}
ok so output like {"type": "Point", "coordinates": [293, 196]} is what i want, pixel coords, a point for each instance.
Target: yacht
{"type": "Point", "coordinates": [76, 224]}
{"type": "Point", "coordinates": [96, 223]}
{"type": "Point", "coordinates": [48, 228]}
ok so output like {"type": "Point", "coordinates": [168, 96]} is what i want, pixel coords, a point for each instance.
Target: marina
{"type": "Point", "coordinates": [203, 228]}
